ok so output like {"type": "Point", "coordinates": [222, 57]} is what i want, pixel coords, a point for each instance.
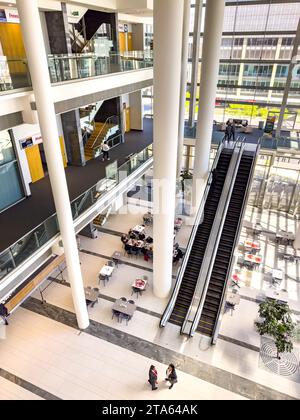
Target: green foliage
{"type": "Point", "coordinates": [277, 323]}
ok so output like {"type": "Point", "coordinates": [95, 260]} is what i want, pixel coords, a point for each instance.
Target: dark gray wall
{"type": "Point", "coordinates": [73, 138]}
{"type": "Point", "coordinates": [58, 31]}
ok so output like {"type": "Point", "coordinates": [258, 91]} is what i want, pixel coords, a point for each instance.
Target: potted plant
{"type": "Point", "coordinates": [276, 322]}
{"type": "Point", "coordinates": [186, 174]}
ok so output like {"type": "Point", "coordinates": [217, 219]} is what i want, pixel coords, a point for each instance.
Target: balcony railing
{"type": "Point", "coordinates": [80, 66]}
{"type": "Point", "coordinates": [29, 244]}
{"type": "Point", "coordinates": [286, 143]}
{"type": "Point", "coordinates": [14, 73]}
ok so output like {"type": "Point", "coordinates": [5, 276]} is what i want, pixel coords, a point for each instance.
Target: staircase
{"type": "Point", "coordinates": [96, 139]}
{"type": "Point", "coordinates": [77, 39]}
{"type": "Point", "coordinates": [92, 26]}
{"type": "Point", "coordinates": [101, 219]}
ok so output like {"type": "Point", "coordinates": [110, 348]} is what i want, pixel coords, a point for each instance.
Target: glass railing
{"type": "Point", "coordinates": [191, 132]}
{"type": "Point", "coordinates": [138, 55]}
{"type": "Point", "coordinates": [274, 143]}
{"type": "Point", "coordinates": [14, 73]}
{"type": "Point", "coordinates": [26, 246]}
{"type": "Point", "coordinates": [80, 66]}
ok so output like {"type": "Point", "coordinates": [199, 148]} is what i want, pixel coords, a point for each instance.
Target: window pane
{"type": "Point", "coordinates": [11, 189]}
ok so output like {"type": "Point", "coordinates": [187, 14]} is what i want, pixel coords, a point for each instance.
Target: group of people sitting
{"type": "Point", "coordinates": [137, 244]}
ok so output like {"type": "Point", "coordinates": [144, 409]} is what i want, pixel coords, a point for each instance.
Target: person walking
{"type": "Point", "coordinates": [228, 132]}
{"type": "Point", "coordinates": [153, 377]}
{"type": "Point", "coordinates": [105, 150]}
{"type": "Point", "coordinates": [171, 375]}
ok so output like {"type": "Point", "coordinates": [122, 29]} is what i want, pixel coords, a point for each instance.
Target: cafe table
{"type": "Point", "coordinates": [233, 299]}
{"type": "Point", "coordinates": [139, 229]}
{"type": "Point", "coordinates": [125, 308]}
{"type": "Point", "coordinates": [91, 295]}
{"type": "Point", "coordinates": [140, 284]}
{"type": "Point", "coordinates": [281, 295]}
{"type": "Point", "coordinates": [252, 245]}
{"type": "Point", "coordinates": [106, 271]}
{"type": "Point", "coordinates": [254, 259]}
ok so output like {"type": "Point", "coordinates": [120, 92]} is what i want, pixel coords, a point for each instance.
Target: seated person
{"type": "Point", "coordinates": [149, 240]}
{"type": "Point", "coordinates": [124, 239]}
{"type": "Point", "coordinates": [142, 236]}
{"type": "Point", "coordinates": [179, 253]}
{"type": "Point", "coordinates": [128, 248]}
{"type": "Point", "coordinates": [132, 235]}
{"type": "Point", "coordinates": [135, 250]}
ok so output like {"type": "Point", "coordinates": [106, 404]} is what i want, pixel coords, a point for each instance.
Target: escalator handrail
{"type": "Point", "coordinates": [235, 244]}
{"type": "Point", "coordinates": [238, 146]}
{"type": "Point", "coordinates": [169, 309]}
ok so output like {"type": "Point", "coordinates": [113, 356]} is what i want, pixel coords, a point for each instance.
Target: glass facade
{"type": "Point", "coordinates": [255, 54]}
{"type": "Point", "coordinates": [11, 189]}
{"type": "Point", "coordinates": [256, 51]}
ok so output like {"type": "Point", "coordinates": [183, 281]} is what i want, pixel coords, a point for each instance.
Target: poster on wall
{"type": "Point", "coordinates": [2, 15]}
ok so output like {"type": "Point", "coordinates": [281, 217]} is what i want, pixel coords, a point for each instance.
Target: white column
{"type": "Point", "coordinates": [214, 17]}
{"type": "Point", "coordinates": [297, 239]}
{"type": "Point", "coordinates": [136, 110]}
{"type": "Point", "coordinates": [184, 77]}
{"type": "Point", "coordinates": [242, 66]}
{"type": "Point", "coordinates": [36, 54]}
{"type": "Point", "coordinates": [168, 22]}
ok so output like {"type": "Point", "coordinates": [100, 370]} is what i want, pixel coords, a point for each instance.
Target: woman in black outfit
{"type": "Point", "coordinates": [171, 375]}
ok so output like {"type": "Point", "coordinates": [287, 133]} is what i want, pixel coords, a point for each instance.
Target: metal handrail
{"type": "Point", "coordinates": [235, 244]}
{"type": "Point", "coordinates": [109, 139]}
{"type": "Point", "coordinates": [102, 129]}
{"type": "Point", "coordinates": [212, 256]}
{"type": "Point", "coordinates": [172, 301]}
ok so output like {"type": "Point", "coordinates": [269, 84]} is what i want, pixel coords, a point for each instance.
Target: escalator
{"type": "Point", "coordinates": [217, 282]}
{"type": "Point", "coordinates": [191, 273]}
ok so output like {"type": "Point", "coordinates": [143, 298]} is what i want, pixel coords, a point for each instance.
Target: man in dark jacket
{"type": "Point", "coordinates": [153, 377]}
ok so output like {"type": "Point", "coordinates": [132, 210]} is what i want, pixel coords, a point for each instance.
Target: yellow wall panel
{"type": "Point", "coordinates": [12, 45]}
{"type": "Point", "coordinates": [127, 120]}
{"type": "Point", "coordinates": [129, 40]}
{"type": "Point", "coordinates": [122, 41]}
{"type": "Point", "coordinates": [63, 150]}
{"type": "Point", "coordinates": [35, 163]}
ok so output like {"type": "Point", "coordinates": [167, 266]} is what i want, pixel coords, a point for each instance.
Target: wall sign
{"type": "Point", "coordinates": [26, 143]}
{"type": "Point", "coordinates": [9, 16]}
{"type": "Point", "coordinates": [37, 139]}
